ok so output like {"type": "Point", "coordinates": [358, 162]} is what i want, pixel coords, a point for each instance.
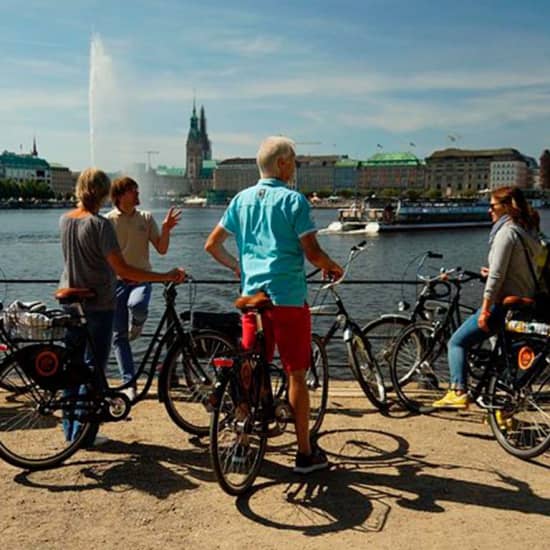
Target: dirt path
{"type": "Point", "coordinates": [395, 483]}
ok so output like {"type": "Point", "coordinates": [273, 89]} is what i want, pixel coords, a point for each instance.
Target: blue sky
{"type": "Point", "coordinates": [336, 76]}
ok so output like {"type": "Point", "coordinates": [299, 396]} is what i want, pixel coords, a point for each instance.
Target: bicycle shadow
{"type": "Point", "coordinates": [374, 474]}
{"type": "Point", "coordinates": [157, 470]}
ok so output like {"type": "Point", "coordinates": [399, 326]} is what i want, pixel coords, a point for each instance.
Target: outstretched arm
{"type": "Point", "coordinates": [170, 221]}
{"type": "Point", "coordinates": [126, 271]}
{"type": "Point", "coordinates": [215, 246]}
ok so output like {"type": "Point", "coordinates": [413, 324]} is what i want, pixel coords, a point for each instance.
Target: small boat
{"type": "Point", "coordinates": [410, 215]}
{"type": "Point", "coordinates": [194, 202]}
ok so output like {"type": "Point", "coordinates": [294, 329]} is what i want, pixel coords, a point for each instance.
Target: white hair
{"type": "Point", "coordinates": [271, 149]}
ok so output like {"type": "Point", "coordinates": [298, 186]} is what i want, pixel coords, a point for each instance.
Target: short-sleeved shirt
{"type": "Point", "coordinates": [268, 220]}
{"type": "Point", "coordinates": [86, 243]}
{"type": "Point", "coordinates": [134, 233]}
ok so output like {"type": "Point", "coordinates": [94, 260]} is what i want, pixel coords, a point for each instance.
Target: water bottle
{"type": "Point", "coordinates": [531, 327]}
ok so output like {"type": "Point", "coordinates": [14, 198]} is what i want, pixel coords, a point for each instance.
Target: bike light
{"type": "Point", "coordinates": [3, 347]}
{"type": "Point", "coordinates": [526, 356]}
{"type": "Point", "coordinates": [223, 362]}
{"type": "Point", "coordinates": [402, 305]}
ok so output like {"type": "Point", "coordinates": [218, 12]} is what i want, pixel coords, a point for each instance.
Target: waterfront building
{"type": "Point", "coordinates": [456, 172]}
{"type": "Point", "coordinates": [315, 173]}
{"type": "Point", "coordinates": [24, 167]}
{"type": "Point", "coordinates": [346, 175]}
{"type": "Point", "coordinates": [63, 180]}
{"type": "Point", "coordinates": [234, 174]}
{"type": "Point", "coordinates": [508, 172]}
{"type": "Point", "coordinates": [398, 171]}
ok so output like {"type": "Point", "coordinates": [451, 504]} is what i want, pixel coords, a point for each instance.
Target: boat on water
{"type": "Point", "coordinates": [194, 202]}
{"type": "Point", "coordinates": [410, 215]}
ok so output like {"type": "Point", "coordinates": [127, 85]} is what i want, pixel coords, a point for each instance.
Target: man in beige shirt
{"type": "Point", "coordinates": [135, 229]}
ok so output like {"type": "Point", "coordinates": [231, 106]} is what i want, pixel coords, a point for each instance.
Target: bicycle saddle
{"type": "Point", "coordinates": [518, 302]}
{"type": "Point", "coordinates": [258, 301]}
{"type": "Point", "coordinates": [72, 295]}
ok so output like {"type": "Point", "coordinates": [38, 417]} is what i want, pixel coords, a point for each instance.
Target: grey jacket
{"type": "Point", "coordinates": [509, 273]}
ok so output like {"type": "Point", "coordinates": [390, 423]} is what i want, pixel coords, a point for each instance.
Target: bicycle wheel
{"type": "Point", "coordinates": [32, 417]}
{"type": "Point", "coordinates": [188, 377]}
{"type": "Point", "coordinates": [366, 369]}
{"type": "Point", "coordinates": [317, 383]}
{"type": "Point", "coordinates": [419, 370]}
{"type": "Point", "coordinates": [520, 419]}
{"type": "Point", "coordinates": [382, 334]}
{"type": "Point", "coordinates": [237, 442]}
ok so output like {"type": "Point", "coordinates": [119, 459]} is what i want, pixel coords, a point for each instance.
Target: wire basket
{"type": "Point", "coordinates": [22, 324]}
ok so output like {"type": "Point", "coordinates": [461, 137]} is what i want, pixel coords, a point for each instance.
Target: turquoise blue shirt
{"type": "Point", "coordinates": [268, 220]}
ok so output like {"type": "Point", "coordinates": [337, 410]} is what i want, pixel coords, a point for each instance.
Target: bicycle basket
{"type": "Point", "coordinates": [226, 323]}
{"type": "Point", "coordinates": [34, 323]}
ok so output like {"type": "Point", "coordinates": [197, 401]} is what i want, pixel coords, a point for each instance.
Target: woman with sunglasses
{"type": "Point", "coordinates": [514, 233]}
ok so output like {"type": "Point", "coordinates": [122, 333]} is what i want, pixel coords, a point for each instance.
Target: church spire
{"type": "Point", "coordinates": [34, 151]}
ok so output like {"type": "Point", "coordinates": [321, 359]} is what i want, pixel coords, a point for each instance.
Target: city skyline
{"type": "Point", "coordinates": [353, 78]}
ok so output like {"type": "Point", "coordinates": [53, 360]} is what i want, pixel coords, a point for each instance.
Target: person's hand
{"type": "Point", "coordinates": [334, 273]}
{"type": "Point", "coordinates": [171, 219]}
{"type": "Point", "coordinates": [176, 275]}
{"type": "Point", "coordinates": [484, 272]}
{"type": "Point", "coordinates": [483, 320]}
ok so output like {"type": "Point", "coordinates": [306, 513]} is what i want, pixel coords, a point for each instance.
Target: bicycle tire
{"type": "Point", "coordinates": [419, 370]}
{"type": "Point", "coordinates": [232, 436]}
{"type": "Point", "coordinates": [31, 434]}
{"type": "Point", "coordinates": [366, 369]}
{"type": "Point", "coordinates": [188, 377]}
{"type": "Point", "coordinates": [520, 419]}
{"type": "Point", "coordinates": [382, 334]}
{"type": "Point", "coordinates": [317, 381]}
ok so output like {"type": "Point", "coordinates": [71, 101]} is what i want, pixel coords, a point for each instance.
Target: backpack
{"type": "Point", "coordinates": [542, 280]}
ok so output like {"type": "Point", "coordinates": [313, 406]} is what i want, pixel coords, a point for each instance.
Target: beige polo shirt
{"type": "Point", "coordinates": [134, 233]}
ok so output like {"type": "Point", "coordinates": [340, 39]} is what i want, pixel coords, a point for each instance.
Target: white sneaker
{"type": "Point", "coordinates": [130, 393]}
{"type": "Point", "coordinates": [134, 331]}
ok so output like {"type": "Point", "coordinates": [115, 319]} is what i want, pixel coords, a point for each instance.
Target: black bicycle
{"type": "Point", "coordinates": [363, 362]}
{"type": "Point", "coordinates": [44, 383]}
{"type": "Point", "coordinates": [431, 303]}
{"type": "Point", "coordinates": [419, 370]}
{"type": "Point", "coordinates": [251, 405]}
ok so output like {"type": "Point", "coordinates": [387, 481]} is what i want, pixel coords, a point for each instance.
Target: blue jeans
{"type": "Point", "coordinates": [464, 338]}
{"type": "Point", "coordinates": [132, 305]}
{"type": "Point", "coordinates": [100, 328]}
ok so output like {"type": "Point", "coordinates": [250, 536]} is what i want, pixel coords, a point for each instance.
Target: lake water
{"type": "Point", "coordinates": [30, 249]}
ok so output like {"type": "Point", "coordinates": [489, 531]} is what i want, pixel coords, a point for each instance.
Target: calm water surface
{"type": "Point", "coordinates": [30, 249]}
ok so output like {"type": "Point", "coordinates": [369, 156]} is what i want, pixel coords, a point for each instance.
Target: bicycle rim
{"type": "Point", "coordinates": [382, 334]}
{"type": "Point", "coordinates": [366, 371]}
{"type": "Point", "coordinates": [317, 384]}
{"type": "Point", "coordinates": [237, 445]}
{"type": "Point", "coordinates": [32, 421]}
{"type": "Point", "coordinates": [419, 370]}
{"type": "Point", "coordinates": [189, 380]}
{"type": "Point", "coordinates": [520, 419]}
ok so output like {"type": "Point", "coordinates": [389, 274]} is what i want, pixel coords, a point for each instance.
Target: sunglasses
{"type": "Point", "coordinates": [492, 205]}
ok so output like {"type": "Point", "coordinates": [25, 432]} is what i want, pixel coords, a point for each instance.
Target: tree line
{"type": "Point", "coordinates": [10, 189]}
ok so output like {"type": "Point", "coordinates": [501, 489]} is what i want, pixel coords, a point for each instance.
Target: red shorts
{"type": "Point", "coordinates": [287, 327]}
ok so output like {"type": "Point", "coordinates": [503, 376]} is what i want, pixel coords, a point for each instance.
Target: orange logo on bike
{"type": "Point", "coordinates": [526, 356]}
{"type": "Point", "coordinates": [46, 363]}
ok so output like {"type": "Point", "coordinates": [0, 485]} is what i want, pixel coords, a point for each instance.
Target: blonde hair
{"type": "Point", "coordinates": [271, 149]}
{"type": "Point", "coordinates": [92, 187]}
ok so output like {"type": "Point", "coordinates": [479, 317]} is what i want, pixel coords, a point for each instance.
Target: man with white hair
{"type": "Point", "coordinates": [274, 232]}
